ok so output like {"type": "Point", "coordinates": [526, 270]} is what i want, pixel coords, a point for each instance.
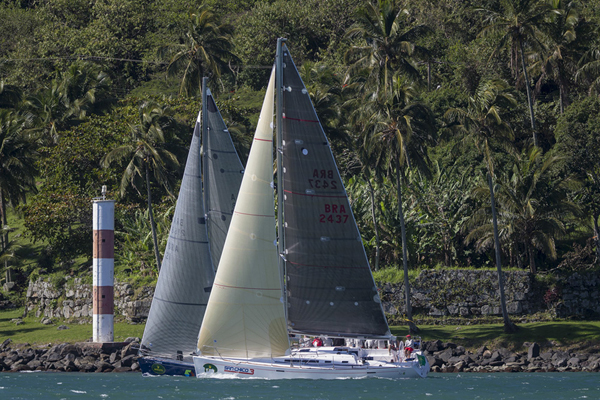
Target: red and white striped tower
{"type": "Point", "coordinates": [104, 267]}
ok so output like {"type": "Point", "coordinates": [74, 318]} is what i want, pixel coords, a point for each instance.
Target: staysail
{"type": "Point", "coordinates": [245, 316]}
{"type": "Point", "coordinates": [223, 173]}
{"type": "Point", "coordinates": [330, 288]}
{"type": "Point", "coordinates": [187, 274]}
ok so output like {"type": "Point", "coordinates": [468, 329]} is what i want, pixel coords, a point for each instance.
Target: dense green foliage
{"type": "Point", "coordinates": [421, 101]}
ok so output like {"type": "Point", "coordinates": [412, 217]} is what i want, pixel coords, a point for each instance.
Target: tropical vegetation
{"type": "Point", "coordinates": [468, 132]}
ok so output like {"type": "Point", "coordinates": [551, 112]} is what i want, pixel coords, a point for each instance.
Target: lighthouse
{"type": "Point", "coordinates": [104, 267]}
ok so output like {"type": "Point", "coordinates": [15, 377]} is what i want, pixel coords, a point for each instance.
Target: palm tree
{"type": "Point", "coordinates": [388, 43]}
{"type": "Point", "coordinates": [146, 152]}
{"type": "Point", "coordinates": [81, 90]}
{"type": "Point", "coordinates": [482, 122]}
{"type": "Point", "coordinates": [395, 129]}
{"type": "Point", "coordinates": [522, 24]}
{"type": "Point", "coordinates": [204, 50]}
{"type": "Point", "coordinates": [533, 203]}
{"type": "Point", "coordinates": [568, 37]}
{"type": "Point", "coordinates": [589, 70]}
{"type": "Point", "coordinates": [18, 155]}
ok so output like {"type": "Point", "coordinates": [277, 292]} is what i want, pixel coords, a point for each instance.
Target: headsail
{"type": "Point", "coordinates": [223, 173]}
{"type": "Point", "coordinates": [245, 316]}
{"type": "Point", "coordinates": [187, 274]}
{"type": "Point", "coordinates": [330, 288]}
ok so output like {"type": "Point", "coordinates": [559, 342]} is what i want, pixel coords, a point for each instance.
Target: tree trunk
{"type": "Point", "coordinates": [429, 76]}
{"type": "Point", "coordinates": [404, 245]}
{"type": "Point", "coordinates": [4, 236]}
{"type": "Point", "coordinates": [531, 253]}
{"type": "Point", "coordinates": [152, 224]}
{"type": "Point", "coordinates": [529, 98]}
{"type": "Point", "coordinates": [374, 216]}
{"type": "Point", "coordinates": [509, 327]}
{"type": "Point", "coordinates": [596, 215]}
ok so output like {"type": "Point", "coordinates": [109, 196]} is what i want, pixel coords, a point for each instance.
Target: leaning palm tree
{"type": "Point", "coordinates": [396, 129]}
{"type": "Point", "coordinates": [522, 24]}
{"type": "Point", "coordinates": [146, 153]}
{"type": "Point", "coordinates": [203, 50]}
{"type": "Point", "coordinates": [481, 123]}
{"type": "Point", "coordinates": [387, 42]}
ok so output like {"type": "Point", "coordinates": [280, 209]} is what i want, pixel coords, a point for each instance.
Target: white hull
{"type": "Point", "coordinates": [216, 367]}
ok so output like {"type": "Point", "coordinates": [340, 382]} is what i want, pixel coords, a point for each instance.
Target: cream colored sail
{"type": "Point", "coordinates": [245, 313]}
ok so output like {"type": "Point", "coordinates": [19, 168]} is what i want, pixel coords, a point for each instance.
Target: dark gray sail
{"type": "Point", "coordinates": [222, 177]}
{"type": "Point", "coordinates": [330, 289]}
{"type": "Point", "coordinates": [187, 273]}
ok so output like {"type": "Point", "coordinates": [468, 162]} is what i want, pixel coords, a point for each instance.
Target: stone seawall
{"type": "Point", "coordinates": [470, 294]}
{"type": "Point", "coordinates": [438, 294]}
{"type": "Point", "coordinates": [73, 300]}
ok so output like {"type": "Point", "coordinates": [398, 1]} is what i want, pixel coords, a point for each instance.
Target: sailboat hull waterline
{"type": "Point", "coordinates": [310, 276]}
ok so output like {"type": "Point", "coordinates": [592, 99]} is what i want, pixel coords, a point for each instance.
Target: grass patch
{"type": "Point", "coordinates": [33, 332]}
{"type": "Point", "coordinates": [561, 333]}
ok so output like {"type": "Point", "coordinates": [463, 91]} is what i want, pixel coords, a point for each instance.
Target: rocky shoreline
{"type": "Point", "coordinates": [448, 357]}
{"type": "Point", "coordinates": [443, 357]}
{"type": "Point", "coordinates": [71, 357]}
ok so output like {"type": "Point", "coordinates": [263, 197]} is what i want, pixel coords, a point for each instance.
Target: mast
{"type": "Point", "coordinates": [279, 147]}
{"type": "Point", "coordinates": [204, 155]}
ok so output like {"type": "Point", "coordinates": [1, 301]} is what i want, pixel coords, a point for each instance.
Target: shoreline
{"type": "Point", "coordinates": [449, 357]}
{"type": "Point", "coordinates": [443, 358]}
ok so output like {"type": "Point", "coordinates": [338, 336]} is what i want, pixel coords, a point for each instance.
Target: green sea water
{"type": "Point", "coordinates": [132, 386]}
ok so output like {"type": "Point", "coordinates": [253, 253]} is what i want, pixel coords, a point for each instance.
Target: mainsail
{"type": "Point", "coordinates": [195, 242]}
{"type": "Point", "coordinates": [186, 274]}
{"type": "Point", "coordinates": [330, 288]}
{"type": "Point", "coordinates": [223, 173]}
{"type": "Point", "coordinates": [245, 316]}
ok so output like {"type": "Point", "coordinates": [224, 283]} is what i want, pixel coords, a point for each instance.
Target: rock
{"type": "Point", "coordinates": [62, 327]}
{"type": "Point", "coordinates": [445, 355]}
{"type": "Point", "coordinates": [68, 348]}
{"type": "Point", "coordinates": [127, 361]}
{"type": "Point", "coordinates": [129, 350]}
{"type": "Point", "coordinates": [46, 321]}
{"type": "Point", "coordinates": [533, 351]}
{"type": "Point", "coordinates": [122, 369]}
{"type": "Point", "coordinates": [496, 356]}
{"type": "Point", "coordinates": [487, 354]}
{"type": "Point", "coordinates": [5, 344]}
{"type": "Point", "coordinates": [574, 362]}
{"type": "Point", "coordinates": [132, 339]}
{"type": "Point", "coordinates": [135, 366]}
{"type": "Point", "coordinates": [103, 366]}
{"type": "Point", "coordinates": [113, 357]}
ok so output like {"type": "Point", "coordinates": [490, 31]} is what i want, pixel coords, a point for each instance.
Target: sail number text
{"type": "Point", "coordinates": [323, 179]}
{"type": "Point", "coordinates": [334, 213]}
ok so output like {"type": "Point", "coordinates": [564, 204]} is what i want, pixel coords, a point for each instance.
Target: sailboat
{"type": "Point", "coordinates": [314, 279]}
{"type": "Point", "coordinates": [200, 223]}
